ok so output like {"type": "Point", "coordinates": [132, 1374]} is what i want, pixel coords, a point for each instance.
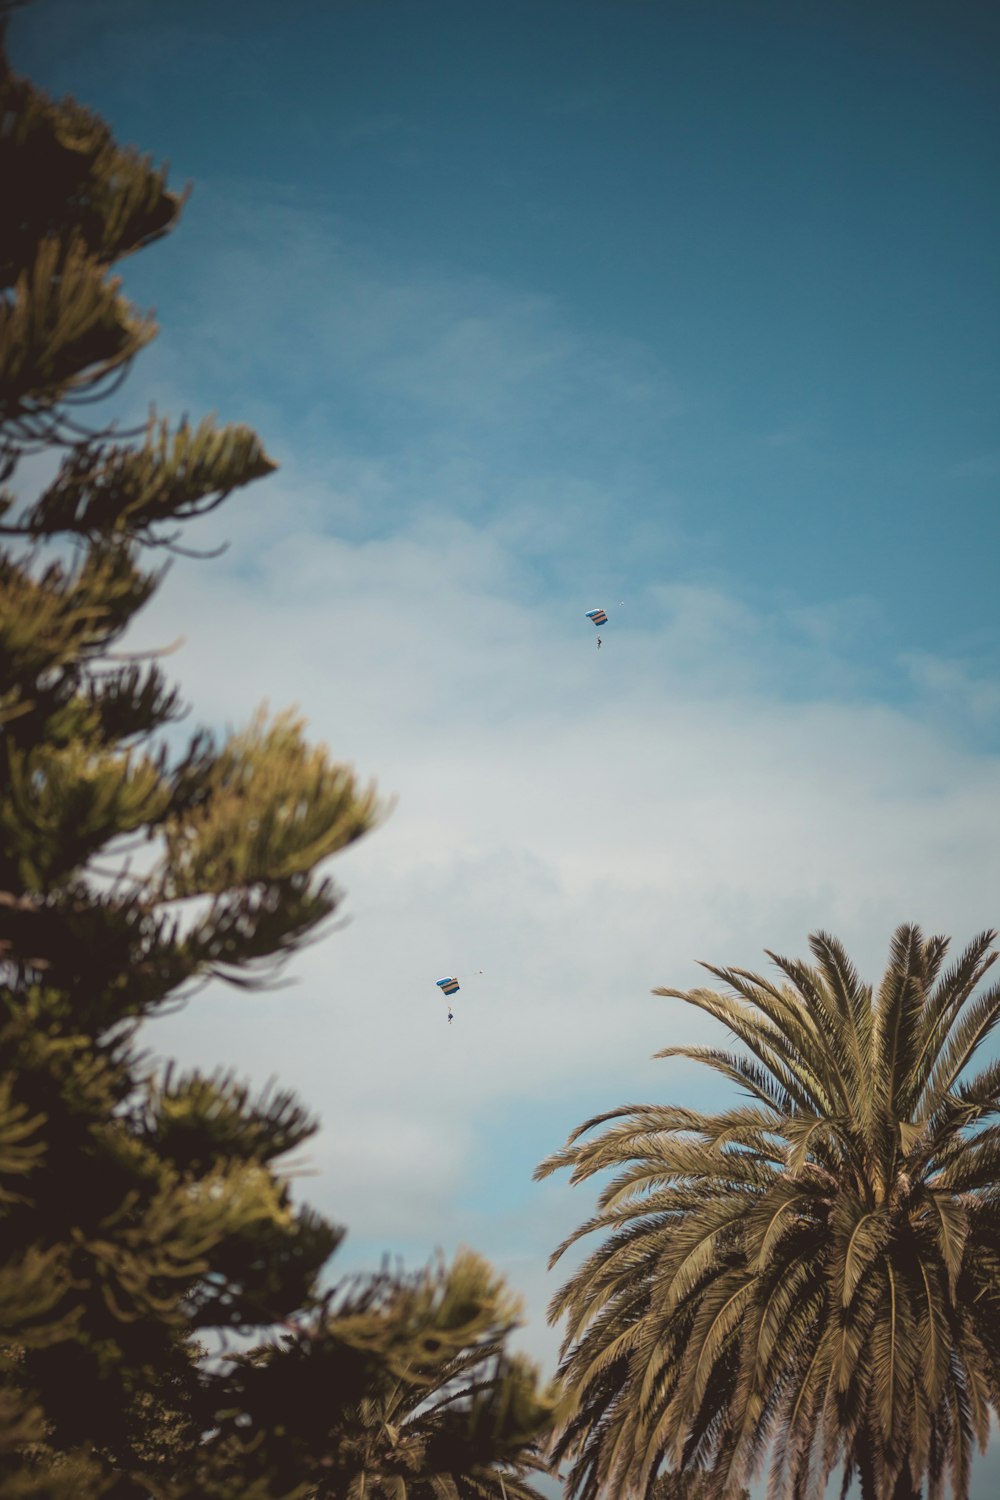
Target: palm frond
{"type": "Point", "coordinates": [967, 1034]}
{"type": "Point", "coordinates": [759, 1082]}
{"type": "Point", "coordinates": [949, 994]}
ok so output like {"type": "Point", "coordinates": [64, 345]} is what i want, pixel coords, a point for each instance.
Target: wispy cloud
{"type": "Point", "coordinates": [962, 689]}
{"type": "Point", "coordinates": [279, 308]}
{"type": "Point", "coordinates": [379, 128]}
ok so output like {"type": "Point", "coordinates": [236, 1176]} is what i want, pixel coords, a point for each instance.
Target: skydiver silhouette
{"type": "Point", "coordinates": [598, 643]}
{"type": "Point", "coordinates": [450, 1015]}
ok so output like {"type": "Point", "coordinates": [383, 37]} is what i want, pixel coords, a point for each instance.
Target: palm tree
{"type": "Point", "coordinates": [810, 1278]}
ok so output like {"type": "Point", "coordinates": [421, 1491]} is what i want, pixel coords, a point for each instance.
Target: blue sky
{"type": "Point", "coordinates": [542, 306]}
{"type": "Point", "coordinates": [782, 213]}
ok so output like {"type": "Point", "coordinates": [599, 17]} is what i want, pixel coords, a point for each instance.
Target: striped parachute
{"type": "Point", "coordinates": [598, 616]}
{"type": "Point", "coordinates": [449, 985]}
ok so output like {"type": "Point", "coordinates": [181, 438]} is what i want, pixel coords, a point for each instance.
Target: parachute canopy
{"type": "Point", "coordinates": [449, 984]}
{"type": "Point", "coordinates": [598, 616]}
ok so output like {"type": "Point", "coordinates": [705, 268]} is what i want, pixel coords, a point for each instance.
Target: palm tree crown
{"type": "Point", "coordinates": [813, 1277]}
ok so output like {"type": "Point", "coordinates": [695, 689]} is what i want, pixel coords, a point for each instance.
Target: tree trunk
{"type": "Point", "coordinates": [905, 1489]}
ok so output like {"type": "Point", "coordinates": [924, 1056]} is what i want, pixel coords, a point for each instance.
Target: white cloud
{"type": "Point", "coordinates": [581, 825]}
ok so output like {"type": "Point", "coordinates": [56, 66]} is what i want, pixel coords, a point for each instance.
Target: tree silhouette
{"type": "Point", "coordinates": [142, 1214]}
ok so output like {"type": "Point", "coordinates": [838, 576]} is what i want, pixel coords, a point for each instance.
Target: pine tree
{"type": "Point", "coordinates": [141, 1213]}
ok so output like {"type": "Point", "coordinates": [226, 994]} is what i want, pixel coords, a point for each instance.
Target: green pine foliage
{"type": "Point", "coordinates": [810, 1278]}
{"type": "Point", "coordinates": [144, 1217]}
{"type": "Point", "coordinates": [399, 1388]}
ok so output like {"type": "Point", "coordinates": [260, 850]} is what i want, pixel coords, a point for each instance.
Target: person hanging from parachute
{"type": "Point", "coordinates": [449, 985]}
{"type": "Point", "coordinates": [599, 617]}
